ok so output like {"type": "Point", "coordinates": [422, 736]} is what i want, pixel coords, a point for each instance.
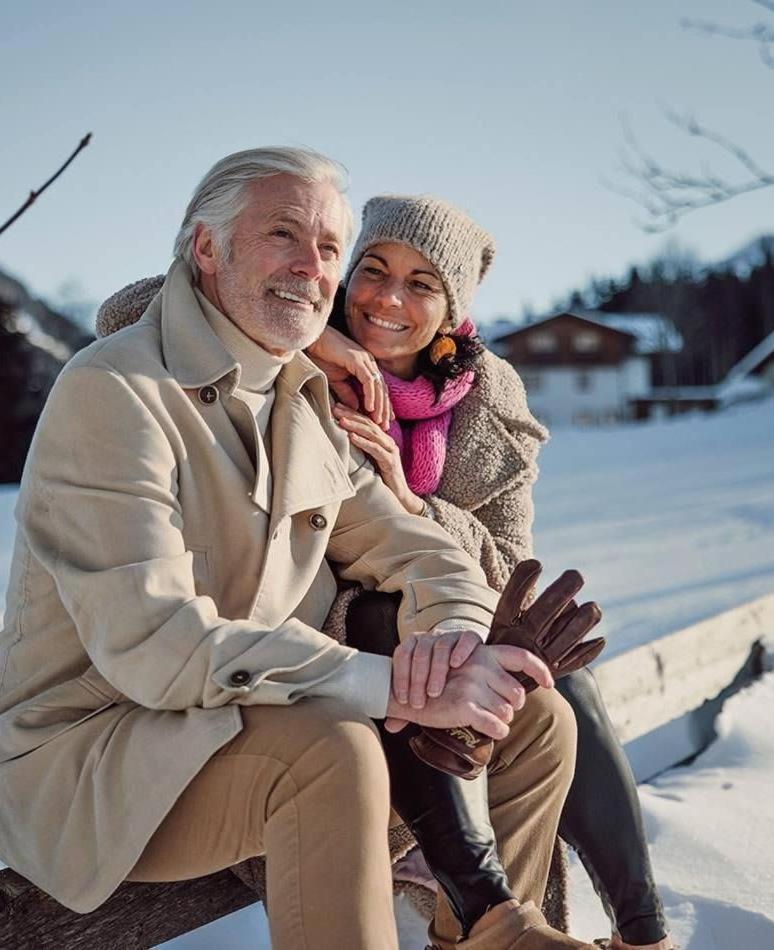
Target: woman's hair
{"type": "Point", "coordinates": [465, 359]}
{"type": "Point", "coordinates": [223, 192]}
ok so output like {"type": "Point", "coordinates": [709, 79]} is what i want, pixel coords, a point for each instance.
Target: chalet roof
{"type": "Point", "coordinates": [652, 332]}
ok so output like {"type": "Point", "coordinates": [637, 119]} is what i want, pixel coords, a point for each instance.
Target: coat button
{"type": "Point", "coordinates": [208, 395]}
{"type": "Point", "coordinates": [318, 521]}
{"type": "Point", "coordinates": [239, 678]}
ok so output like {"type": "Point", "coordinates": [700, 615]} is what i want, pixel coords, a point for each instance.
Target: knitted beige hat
{"type": "Point", "coordinates": [452, 242]}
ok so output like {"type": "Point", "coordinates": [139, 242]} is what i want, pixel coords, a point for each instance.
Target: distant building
{"type": "Point", "coordinates": [588, 368]}
{"type": "Point", "coordinates": [751, 378]}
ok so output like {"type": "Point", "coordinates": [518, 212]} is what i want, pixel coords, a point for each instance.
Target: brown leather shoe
{"type": "Point", "coordinates": [518, 927]}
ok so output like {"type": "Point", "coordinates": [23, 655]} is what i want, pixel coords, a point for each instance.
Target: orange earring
{"type": "Point", "coordinates": [443, 348]}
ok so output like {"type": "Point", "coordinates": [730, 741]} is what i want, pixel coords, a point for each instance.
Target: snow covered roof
{"type": "Point", "coordinates": [653, 332]}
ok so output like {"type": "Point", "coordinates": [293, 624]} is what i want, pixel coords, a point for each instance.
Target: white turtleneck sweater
{"type": "Point", "coordinates": [365, 679]}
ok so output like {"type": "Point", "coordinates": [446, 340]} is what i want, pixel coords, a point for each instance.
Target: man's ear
{"type": "Point", "coordinates": [204, 251]}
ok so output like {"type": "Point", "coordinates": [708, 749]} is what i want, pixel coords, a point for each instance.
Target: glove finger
{"type": "Point", "coordinates": [518, 588]}
{"type": "Point", "coordinates": [552, 601]}
{"type": "Point", "coordinates": [569, 627]}
{"type": "Point", "coordinates": [574, 629]}
{"type": "Point", "coordinates": [580, 656]}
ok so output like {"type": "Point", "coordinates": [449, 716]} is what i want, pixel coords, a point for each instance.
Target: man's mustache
{"type": "Point", "coordinates": [307, 290]}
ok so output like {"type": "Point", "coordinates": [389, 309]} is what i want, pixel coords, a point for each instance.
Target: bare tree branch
{"type": "Point", "coordinates": [33, 195]}
{"type": "Point", "coordinates": [760, 33]}
{"type": "Point", "coordinates": [666, 195]}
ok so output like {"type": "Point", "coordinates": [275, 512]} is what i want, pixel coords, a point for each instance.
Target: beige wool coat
{"type": "Point", "coordinates": [149, 597]}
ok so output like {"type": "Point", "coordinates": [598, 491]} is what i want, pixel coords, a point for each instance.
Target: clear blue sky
{"type": "Point", "coordinates": [511, 109]}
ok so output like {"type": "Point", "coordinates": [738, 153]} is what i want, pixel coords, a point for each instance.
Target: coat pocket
{"type": "Point", "coordinates": [36, 721]}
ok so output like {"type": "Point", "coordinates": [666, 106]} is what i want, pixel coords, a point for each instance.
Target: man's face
{"type": "Point", "coordinates": [278, 283]}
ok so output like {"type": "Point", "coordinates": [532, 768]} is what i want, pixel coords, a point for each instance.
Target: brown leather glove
{"type": "Point", "coordinates": [552, 628]}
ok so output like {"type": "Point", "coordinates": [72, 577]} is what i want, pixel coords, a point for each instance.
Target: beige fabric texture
{"type": "Point", "coordinates": [143, 577]}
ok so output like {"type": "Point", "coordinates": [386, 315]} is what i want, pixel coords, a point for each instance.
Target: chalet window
{"type": "Point", "coordinates": [542, 342]}
{"type": "Point", "coordinates": [587, 341]}
{"type": "Point", "coordinates": [583, 381]}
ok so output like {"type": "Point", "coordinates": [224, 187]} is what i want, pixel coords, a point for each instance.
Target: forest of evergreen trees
{"type": "Point", "coordinates": [721, 313]}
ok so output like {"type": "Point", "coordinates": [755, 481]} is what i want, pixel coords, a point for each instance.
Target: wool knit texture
{"type": "Point", "coordinates": [444, 235]}
{"type": "Point", "coordinates": [422, 419]}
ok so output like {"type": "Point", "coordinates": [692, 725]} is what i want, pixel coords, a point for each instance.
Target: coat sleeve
{"type": "Point", "coordinates": [103, 517]}
{"type": "Point", "coordinates": [377, 543]}
{"type": "Point", "coordinates": [497, 533]}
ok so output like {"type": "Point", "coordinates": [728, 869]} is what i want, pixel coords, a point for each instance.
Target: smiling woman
{"type": "Point", "coordinates": [462, 449]}
{"type": "Point", "coordinates": [395, 306]}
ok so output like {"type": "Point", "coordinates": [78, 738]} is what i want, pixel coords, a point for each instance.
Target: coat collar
{"type": "Point", "coordinates": [307, 469]}
{"type": "Point", "coordinates": [194, 354]}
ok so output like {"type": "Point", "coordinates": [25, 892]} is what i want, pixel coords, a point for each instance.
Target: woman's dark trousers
{"type": "Point", "coordinates": [448, 816]}
{"type": "Point", "coordinates": [602, 821]}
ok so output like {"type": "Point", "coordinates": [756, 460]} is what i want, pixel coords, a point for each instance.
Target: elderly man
{"type": "Point", "coordinates": [169, 705]}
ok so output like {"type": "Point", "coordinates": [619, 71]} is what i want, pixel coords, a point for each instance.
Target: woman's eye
{"type": "Point", "coordinates": [373, 271]}
{"type": "Point", "coordinates": [425, 288]}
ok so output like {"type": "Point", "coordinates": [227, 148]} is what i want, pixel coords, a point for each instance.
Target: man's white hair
{"type": "Point", "coordinates": [223, 192]}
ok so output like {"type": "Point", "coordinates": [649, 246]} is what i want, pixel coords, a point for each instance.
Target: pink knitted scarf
{"type": "Point", "coordinates": [421, 426]}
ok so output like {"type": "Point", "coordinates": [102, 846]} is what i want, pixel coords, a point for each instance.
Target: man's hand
{"type": "Point", "coordinates": [421, 663]}
{"type": "Point", "coordinates": [552, 628]}
{"type": "Point", "coordinates": [481, 694]}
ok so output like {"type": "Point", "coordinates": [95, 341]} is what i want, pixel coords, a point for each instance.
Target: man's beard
{"type": "Point", "coordinates": [269, 320]}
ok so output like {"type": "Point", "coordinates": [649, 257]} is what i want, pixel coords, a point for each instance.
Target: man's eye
{"type": "Point", "coordinates": [330, 249]}
{"type": "Point", "coordinates": [282, 232]}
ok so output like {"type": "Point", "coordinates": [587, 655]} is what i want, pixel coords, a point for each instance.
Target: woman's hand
{"type": "Point", "coordinates": [421, 665]}
{"type": "Point", "coordinates": [367, 436]}
{"type": "Point", "coordinates": [340, 359]}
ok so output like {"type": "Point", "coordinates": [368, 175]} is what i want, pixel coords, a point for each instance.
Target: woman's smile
{"type": "Point", "coordinates": [385, 324]}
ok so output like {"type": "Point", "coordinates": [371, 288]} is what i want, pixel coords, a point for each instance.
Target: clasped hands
{"type": "Point", "coordinates": [452, 678]}
{"type": "Point", "coordinates": [461, 691]}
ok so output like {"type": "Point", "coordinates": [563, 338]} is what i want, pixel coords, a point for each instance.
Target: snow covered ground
{"type": "Point", "coordinates": [670, 522]}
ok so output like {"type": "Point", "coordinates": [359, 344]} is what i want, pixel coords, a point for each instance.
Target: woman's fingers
{"type": "Point", "coordinates": [482, 720]}
{"type": "Point", "coordinates": [379, 454]}
{"type": "Point", "coordinates": [508, 689]}
{"type": "Point", "coordinates": [391, 724]}
{"type": "Point", "coordinates": [345, 393]}
{"type": "Point", "coordinates": [518, 660]}
{"type": "Point", "coordinates": [380, 402]}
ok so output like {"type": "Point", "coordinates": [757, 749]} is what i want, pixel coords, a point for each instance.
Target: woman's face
{"type": "Point", "coordinates": [395, 305]}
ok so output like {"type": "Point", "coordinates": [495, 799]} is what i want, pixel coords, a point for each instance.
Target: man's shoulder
{"type": "Point", "coordinates": [134, 350]}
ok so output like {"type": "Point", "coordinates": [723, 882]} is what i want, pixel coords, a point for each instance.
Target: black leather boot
{"type": "Point", "coordinates": [448, 816]}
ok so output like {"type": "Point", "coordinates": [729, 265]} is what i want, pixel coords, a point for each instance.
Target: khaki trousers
{"type": "Point", "coordinates": [529, 777]}
{"type": "Point", "coordinates": [307, 785]}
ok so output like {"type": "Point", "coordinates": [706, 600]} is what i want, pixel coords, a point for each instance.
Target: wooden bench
{"type": "Point", "coordinates": [136, 917]}
{"type": "Point", "coordinates": [645, 689]}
